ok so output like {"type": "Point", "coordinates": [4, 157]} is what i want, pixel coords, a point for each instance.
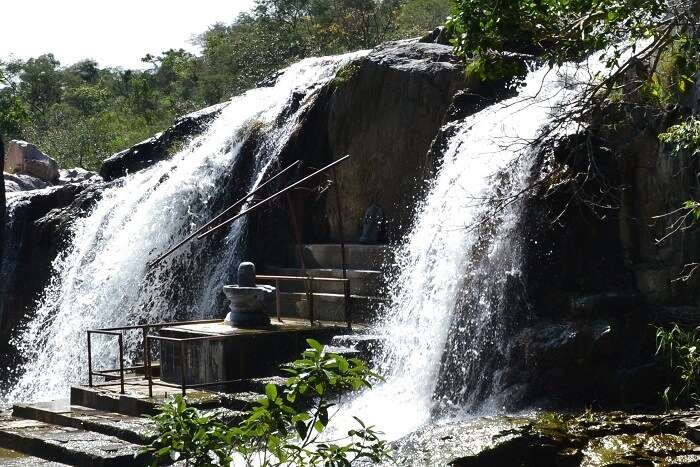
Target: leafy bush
{"type": "Point", "coordinates": [283, 427]}
{"type": "Point", "coordinates": [683, 137]}
{"type": "Point", "coordinates": [682, 349]}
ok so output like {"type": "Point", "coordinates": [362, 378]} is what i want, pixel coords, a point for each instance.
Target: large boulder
{"type": "Point", "coordinates": [158, 147]}
{"type": "Point", "coordinates": [26, 158]}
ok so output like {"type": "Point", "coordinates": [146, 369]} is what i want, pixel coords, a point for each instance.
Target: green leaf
{"type": "Point", "coordinates": [314, 344]}
{"type": "Point", "coordinates": [271, 391]}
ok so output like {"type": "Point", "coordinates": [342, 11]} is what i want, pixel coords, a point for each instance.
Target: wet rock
{"type": "Point", "coordinates": [22, 182]}
{"type": "Point", "coordinates": [604, 303]}
{"type": "Point", "coordinates": [384, 110]}
{"type": "Point", "coordinates": [76, 175]}
{"type": "Point", "coordinates": [36, 229]}
{"type": "Point", "coordinates": [590, 439]}
{"type": "Point", "coordinates": [26, 158]}
{"type": "Point", "coordinates": [157, 148]}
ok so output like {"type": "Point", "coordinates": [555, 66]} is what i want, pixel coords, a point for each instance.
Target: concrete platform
{"type": "Point", "coordinates": [136, 402]}
{"type": "Point", "coordinates": [237, 353]}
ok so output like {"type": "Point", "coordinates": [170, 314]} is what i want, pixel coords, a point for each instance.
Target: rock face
{"type": "Point", "coordinates": [384, 110]}
{"type": "Point", "coordinates": [35, 231]}
{"type": "Point", "coordinates": [25, 158]}
{"type": "Point", "coordinates": [156, 148]}
{"type": "Point", "coordinates": [552, 439]}
{"type": "Point", "coordinates": [22, 182]}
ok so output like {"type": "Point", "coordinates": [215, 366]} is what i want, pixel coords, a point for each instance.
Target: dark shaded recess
{"type": "Point", "coordinates": [2, 210]}
{"type": "Point", "coordinates": [592, 263]}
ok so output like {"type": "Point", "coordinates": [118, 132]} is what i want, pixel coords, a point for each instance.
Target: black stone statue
{"type": "Point", "coordinates": [372, 226]}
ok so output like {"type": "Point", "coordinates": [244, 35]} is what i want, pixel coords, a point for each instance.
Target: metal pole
{"type": "Point", "coordinates": [121, 362]}
{"type": "Point", "coordinates": [277, 299]}
{"type": "Point", "coordinates": [346, 285]}
{"type": "Point", "coordinates": [226, 211]}
{"type": "Point", "coordinates": [89, 352]}
{"type": "Point", "coordinates": [147, 350]}
{"type": "Point", "coordinates": [182, 368]}
{"type": "Point", "coordinates": [281, 192]}
{"type": "Point", "coordinates": [310, 297]}
{"type": "Point", "coordinates": [145, 357]}
{"type": "Point", "coordinates": [300, 251]}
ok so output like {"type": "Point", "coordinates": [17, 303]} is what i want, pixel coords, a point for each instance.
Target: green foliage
{"type": "Point", "coordinates": [82, 114]}
{"type": "Point", "coordinates": [682, 349]}
{"type": "Point", "coordinates": [683, 137]}
{"type": "Point", "coordinates": [186, 434]}
{"type": "Point", "coordinates": [345, 73]}
{"type": "Point", "coordinates": [560, 30]}
{"type": "Point", "coordinates": [284, 426]}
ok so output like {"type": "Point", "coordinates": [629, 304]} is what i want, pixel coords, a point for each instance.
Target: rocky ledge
{"type": "Point", "coordinates": [561, 440]}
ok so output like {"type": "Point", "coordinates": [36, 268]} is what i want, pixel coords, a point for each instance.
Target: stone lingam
{"type": "Point", "coordinates": [251, 304]}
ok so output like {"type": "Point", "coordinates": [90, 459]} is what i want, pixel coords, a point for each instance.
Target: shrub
{"type": "Point", "coordinates": [283, 427]}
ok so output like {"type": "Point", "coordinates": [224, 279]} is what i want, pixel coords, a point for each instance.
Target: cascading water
{"type": "Point", "coordinates": [102, 280]}
{"type": "Point", "coordinates": [446, 320]}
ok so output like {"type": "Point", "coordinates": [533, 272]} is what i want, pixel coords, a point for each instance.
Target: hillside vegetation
{"type": "Point", "coordinates": [82, 113]}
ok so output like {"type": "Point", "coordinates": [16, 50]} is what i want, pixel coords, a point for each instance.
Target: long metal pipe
{"type": "Point", "coordinates": [223, 213]}
{"type": "Point", "coordinates": [281, 192]}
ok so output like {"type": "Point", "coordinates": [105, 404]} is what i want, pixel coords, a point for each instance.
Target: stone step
{"type": "Point", "coordinates": [138, 430]}
{"type": "Point", "coordinates": [329, 306]}
{"type": "Point", "coordinates": [11, 458]}
{"type": "Point", "coordinates": [368, 346]}
{"type": "Point", "coordinates": [362, 281]}
{"type": "Point", "coordinates": [68, 445]}
{"type": "Point", "coordinates": [137, 403]}
{"type": "Point", "coordinates": [329, 256]}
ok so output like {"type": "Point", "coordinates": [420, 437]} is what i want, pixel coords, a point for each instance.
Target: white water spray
{"type": "Point", "coordinates": [101, 279]}
{"type": "Point", "coordinates": [488, 159]}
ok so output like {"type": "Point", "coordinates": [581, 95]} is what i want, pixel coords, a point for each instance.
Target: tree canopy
{"type": "Point", "coordinates": [81, 113]}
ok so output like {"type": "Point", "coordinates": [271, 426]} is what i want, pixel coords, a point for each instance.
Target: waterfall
{"type": "Point", "coordinates": [101, 279]}
{"type": "Point", "coordinates": [446, 319]}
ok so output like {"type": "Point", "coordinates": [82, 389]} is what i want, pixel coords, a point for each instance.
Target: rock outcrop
{"type": "Point", "coordinates": [34, 232]}
{"type": "Point", "coordinates": [594, 439]}
{"type": "Point", "coordinates": [157, 148]}
{"type": "Point", "coordinates": [26, 158]}
{"type": "Point", "coordinates": [384, 110]}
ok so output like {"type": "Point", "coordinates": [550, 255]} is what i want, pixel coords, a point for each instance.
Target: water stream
{"type": "Point", "coordinates": [445, 327]}
{"type": "Point", "coordinates": [101, 279]}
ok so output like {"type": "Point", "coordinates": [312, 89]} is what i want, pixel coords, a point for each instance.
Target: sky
{"type": "Point", "coordinates": [114, 33]}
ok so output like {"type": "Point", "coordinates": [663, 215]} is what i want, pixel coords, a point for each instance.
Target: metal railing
{"type": "Point", "coordinates": [309, 282]}
{"type": "Point", "coordinates": [113, 374]}
{"type": "Point", "coordinates": [119, 374]}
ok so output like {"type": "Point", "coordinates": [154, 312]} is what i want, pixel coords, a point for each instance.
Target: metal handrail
{"type": "Point", "coordinates": [309, 287]}
{"type": "Point", "coordinates": [222, 214]}
{"type": "Point", "coordinates": [119, 333]}
{"type": "Point", "coordinates": [273, 196]}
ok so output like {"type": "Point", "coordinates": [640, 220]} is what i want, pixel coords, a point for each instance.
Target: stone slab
{"type": "Point", "coordinates": [138, 430]}
{"type": "Point", "coordinates": [67, 445]}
